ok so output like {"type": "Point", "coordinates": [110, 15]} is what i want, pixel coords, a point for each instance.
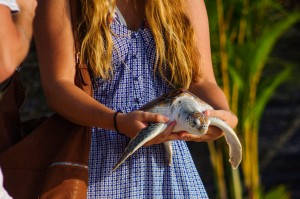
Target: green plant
{"type": "Point", "coordinates": [243, 34]}
{"type": "Point", "coordinates": [279, 192]}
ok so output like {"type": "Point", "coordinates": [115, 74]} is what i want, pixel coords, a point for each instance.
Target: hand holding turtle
{"type": "Point", "coordinates": [213, 133]}
{"type": "Point", "coordinates": [140, 120]}
{"type": "Point", "coordinates": [191, 115]}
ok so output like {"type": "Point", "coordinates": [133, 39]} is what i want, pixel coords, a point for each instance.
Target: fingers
{"type": "Point", "coordinates": [167, 131]}
{"type": "Point", "coordinates": [138, 120]}
{"type": "Point", "coordinates": [226, 116]}
{"type": "Point", "coordinates": [166, 135]}
{"type": "Point", "coordinates": [154, 117]}
{"type": "Point", "coordinates": [212, 134]}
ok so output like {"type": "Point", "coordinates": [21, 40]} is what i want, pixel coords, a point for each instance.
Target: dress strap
{"type": "Point", "coordinates": [119, 16]}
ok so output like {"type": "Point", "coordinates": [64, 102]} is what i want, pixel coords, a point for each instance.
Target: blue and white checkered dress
{"type": "Point", "coordinates": [145, 174]}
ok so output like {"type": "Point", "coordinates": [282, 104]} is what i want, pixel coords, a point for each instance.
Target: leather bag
{"type": "Point", "coordinates": [52, 160]}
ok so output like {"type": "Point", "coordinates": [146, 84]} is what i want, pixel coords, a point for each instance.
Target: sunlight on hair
{"type": "Point", "coordinates": [171, 29]}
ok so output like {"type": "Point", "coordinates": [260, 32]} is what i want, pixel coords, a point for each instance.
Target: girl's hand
{"type": "Point", "coordinates": [213, 132]}
{"type": "Point", "coordinates": [131, 123]}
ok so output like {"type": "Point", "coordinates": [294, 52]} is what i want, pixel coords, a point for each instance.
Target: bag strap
{"type": "Point", "coordinates": [74, 14]}
{"type": "Point", "coordinates": [82, 78]}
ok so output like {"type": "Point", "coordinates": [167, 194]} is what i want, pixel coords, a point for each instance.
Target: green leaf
{"type": "Point", "coordinates": [279, 192]}
{"type": "Point", "coordinates": [265, 43]}
{"type": "Point", "coordinates": [236, 77]}
{"type": "Point", "coordinates": [267, 89]}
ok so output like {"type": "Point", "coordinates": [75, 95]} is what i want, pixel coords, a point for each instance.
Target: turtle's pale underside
{"type": "Point", "coordinates": [187, 110]}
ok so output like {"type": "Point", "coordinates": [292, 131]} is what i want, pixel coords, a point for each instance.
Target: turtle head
{"type": "Point", "coordinates": [197, 123]}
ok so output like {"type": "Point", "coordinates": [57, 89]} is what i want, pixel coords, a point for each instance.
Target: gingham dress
{"type": "Point", "coordinates": [145, 174]}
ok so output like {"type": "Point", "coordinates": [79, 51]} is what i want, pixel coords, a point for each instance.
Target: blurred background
{"type": "Point", "coordinates": [256, 55]}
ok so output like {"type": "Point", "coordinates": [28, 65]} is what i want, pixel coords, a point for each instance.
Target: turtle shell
{"type": "Point", "coordinates": [165, 98]}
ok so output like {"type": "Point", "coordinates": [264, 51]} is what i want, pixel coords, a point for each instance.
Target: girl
{"type": "Point", "coordinates": [137, 50]}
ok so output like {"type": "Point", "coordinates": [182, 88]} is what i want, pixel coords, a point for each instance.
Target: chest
{"type": "Point", "coordinates": [133, 12]}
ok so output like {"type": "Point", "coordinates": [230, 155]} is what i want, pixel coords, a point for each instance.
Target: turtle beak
{"type": "Point", "coordinates": [204, 121]}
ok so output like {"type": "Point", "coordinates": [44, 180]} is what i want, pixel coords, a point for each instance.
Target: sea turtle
{"type": "Point", "coordinates": [187, 110]}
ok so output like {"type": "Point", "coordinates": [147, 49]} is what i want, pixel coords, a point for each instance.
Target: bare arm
{"type": "Point", "coordinates": [55, 49]}
{"type": "Point", "coordinates": [206, 86]}
{"type": "Point", "coordinates": [15, 37]}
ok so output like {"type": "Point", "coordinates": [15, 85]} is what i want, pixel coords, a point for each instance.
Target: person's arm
{"type": "Point", "coordinates": [55, 49]}
{"type": "Point", "coordinates": [206, 86]}
{"type": "Point", "coordinates": [56, 54]}
{"type": "Point", "coordinates": [15, 37]}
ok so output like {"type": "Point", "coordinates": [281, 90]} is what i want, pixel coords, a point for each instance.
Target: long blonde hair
{"type": "Point", "coordinates": [171, 29]}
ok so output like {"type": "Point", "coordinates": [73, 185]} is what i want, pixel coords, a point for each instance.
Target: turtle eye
{"type": "Point", "coordinates": [195, 122]}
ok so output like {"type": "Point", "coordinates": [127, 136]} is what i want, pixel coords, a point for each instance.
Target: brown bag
{"type": "Point", "coordinates": [9, 112]}
{"type": "Point", "coordinates": [52, 160]}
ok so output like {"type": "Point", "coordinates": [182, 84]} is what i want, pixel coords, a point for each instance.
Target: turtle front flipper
{"type": "Point", "coordinates": [235, 147]}
{"type": "Point", "coordinates": [140, 139]}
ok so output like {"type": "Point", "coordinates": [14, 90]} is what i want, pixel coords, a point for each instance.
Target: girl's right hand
{"type": "Point", "coordinates": [131, 123]}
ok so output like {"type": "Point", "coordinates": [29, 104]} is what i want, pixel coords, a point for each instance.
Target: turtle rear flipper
{"type": "Point", "coordinates": [235, 147]}
{"type": "Point", "coordinates": [140, 139]}
{"type": "Point", "coordinates": [169, 151]}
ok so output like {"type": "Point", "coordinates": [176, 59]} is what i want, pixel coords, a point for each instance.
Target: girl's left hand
{"type": "Point", "coordinates": [213, 132]}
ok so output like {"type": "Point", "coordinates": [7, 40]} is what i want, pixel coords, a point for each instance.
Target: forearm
{"type": "Point", "coordinates": [204, 85]}
{"type": "Point", "coordinates": [75, 105]}
{"type": "Point", "coordinates": [56, 54]}
{"type": "Point", "coordinates": [211, 93]}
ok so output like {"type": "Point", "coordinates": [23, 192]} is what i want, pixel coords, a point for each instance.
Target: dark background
{"type": "Point", "coordinates": [279, 136]}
